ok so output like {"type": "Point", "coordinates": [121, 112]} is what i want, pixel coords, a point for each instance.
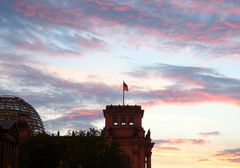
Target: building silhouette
{"type": "Point", "coordinates": [124, 125]}
{"type": "Point", "coordinates": [18, 121]}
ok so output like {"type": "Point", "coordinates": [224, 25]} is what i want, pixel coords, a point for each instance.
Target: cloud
{"type": "Point", "coordinates": [235, 160]}
{"type": "Point", "coordinates": [207, 134]}
{"type": "Point", "coordinates": [180, 141]}
{"type": "Point", "coordinates": [183, 22]}
{"type": "Point", "coordinates": [234, 152]}
{"type": "Point", "coordinates": [81, 120]}
{"type": "Point", "coordinates": [198, 76]}
{"type": "Point", "coordinates": [81, 113]}
{"type": "Point", "coordinates": [59, 42]}
{"type": "Point", "coordinates": [45, 89]}
{"type": "Point", "coordinates": [57, 100]}
{"type": "Point", "coordinates": [37, 37]}
{"type": "Point", "coordinates": [230, 155]}
{"type": "Point", "coordinates": [166, 148]}
{"type": "Point", "coordinates": [29, 80]}
{"type": "Point", "coordinates": [203, 160]}
{"type": "Point", "coordinates": [171, 145]}
{"type": "Point", "coordinates": [190, 85]}
{"type": "Point", "coordinates": [43, 84]}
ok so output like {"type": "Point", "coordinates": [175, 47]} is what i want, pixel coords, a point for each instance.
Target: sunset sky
{"type": "Point", "coordinates": [180, 59]}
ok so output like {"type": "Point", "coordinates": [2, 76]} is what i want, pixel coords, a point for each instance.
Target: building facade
{"type": "Point", "coordinates": [9, 137]}
{"type": "Point", "coordinates": [124, 125]}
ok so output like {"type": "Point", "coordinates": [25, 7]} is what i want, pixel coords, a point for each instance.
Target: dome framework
{"type": "Point", "coordinates": [11, 108]}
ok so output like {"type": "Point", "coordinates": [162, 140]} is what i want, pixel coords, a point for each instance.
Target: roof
{"type": "Point", "coordinates": [123, 107]}
{"type": "Point", "coordinates": [12, 107]}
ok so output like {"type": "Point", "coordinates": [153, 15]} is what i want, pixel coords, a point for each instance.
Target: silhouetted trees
{"type": "Point", "coordinates": [79, 149]}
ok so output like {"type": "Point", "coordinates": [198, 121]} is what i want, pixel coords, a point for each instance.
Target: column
{"type": "Point", "coordinates": [1, 153]}
{"type": "Point", "coordinates": [8, 153]}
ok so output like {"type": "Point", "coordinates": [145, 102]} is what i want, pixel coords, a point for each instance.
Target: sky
{"type": "Point", "coordinates": [179, 58]}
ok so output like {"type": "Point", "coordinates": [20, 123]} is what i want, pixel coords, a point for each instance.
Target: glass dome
{"type": "Point", "coordinates": [11, 108]}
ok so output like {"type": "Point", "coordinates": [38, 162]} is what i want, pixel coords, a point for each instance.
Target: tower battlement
{"type": "Point", "coordinates": [125, 107]}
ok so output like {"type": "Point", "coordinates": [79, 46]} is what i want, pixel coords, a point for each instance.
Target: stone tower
{"type": "Point", "coordinates": [124, 125]}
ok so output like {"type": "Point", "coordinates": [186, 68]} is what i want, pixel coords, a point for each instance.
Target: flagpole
{"type": "Point", "coordinates": [123, 93]}
{"type": "Point", "coordinates": [125, 88]}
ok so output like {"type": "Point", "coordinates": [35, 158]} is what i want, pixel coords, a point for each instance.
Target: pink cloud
{"type": "Point", "coordinates": [100, 16]}
{"type": "Point", "coordinates": [234, 10]}
{"type": "Point", "coordinates": [168, 148]}
{"type": "Point", "coordinates": [191, 85]}
{"type": "Point", "coordinates": [48, 13]}
{"type": "Point", "coordinates": [73, 112]}
{"type": "Point", "coordinates": [190, 37]}
{"type": "Point", "coordinates": [79, 17]}
{"type": "Point", "coordinates": [81, 114]}
{"type": "Point", "coordinates": [194, 26]}
{"type": "Point", "coordinates": [229, 155]}
{"type": "Point", "coordinates": [206, 7]}
{"type": "Point", "coordinates": [232, 25]}
{"type": "Point", "coordinates": [203, 160]}
{"type": "Point", "coordinates": [187, 97]}
{"type": "Point", "coordinates": [121, 8]}
{"type": "Point", "coordinates": [101, 3]}
{"type": "Point", "coordinates": [68, 16]}
{"type": "Point", "coordinates": [26, 9]}
{"type": "Point", "coordinates": [219, 97]}
{"type": "Point", "coordinates": [181, 141]}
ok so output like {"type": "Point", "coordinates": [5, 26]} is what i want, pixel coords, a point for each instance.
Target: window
{"type": "Point", "coordinates": [115, 120]}
{"type": "Point", "coordinates": [131, 121]}
{"type": "Point", "coordinates": [123, 120]}
{"type": "Point", "coordinates": [146, 162]}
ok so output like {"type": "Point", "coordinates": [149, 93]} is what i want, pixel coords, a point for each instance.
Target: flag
{"type": "Point", "coordinates": [125, 87]}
